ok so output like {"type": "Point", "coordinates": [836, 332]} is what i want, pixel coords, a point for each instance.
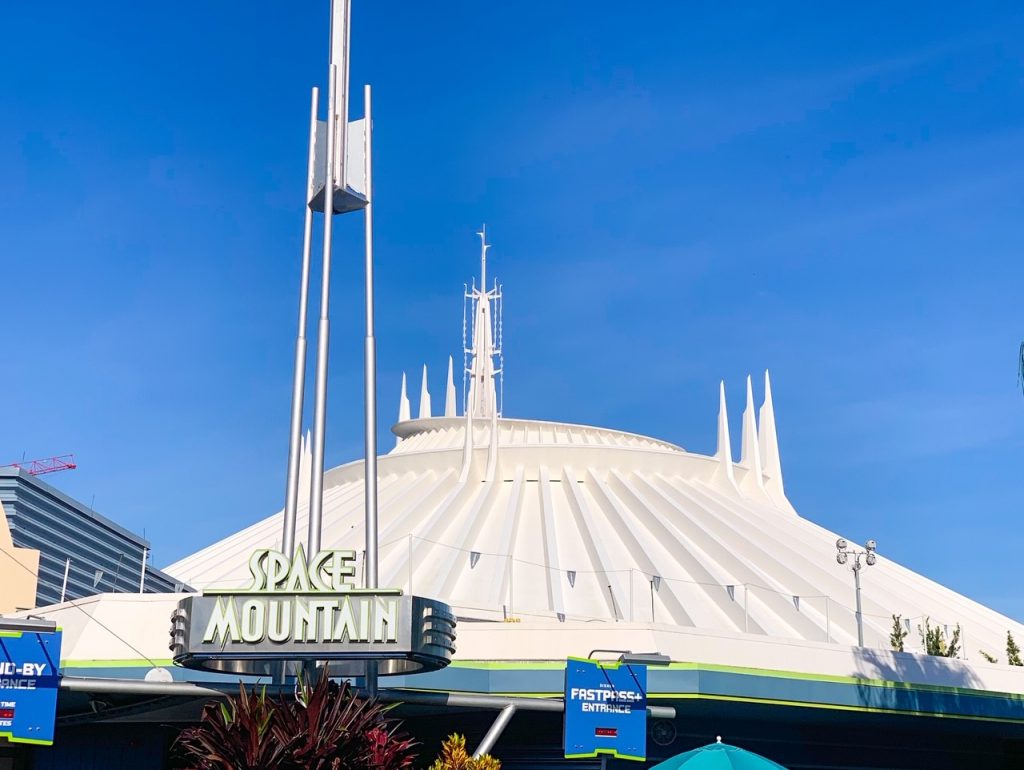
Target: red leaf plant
{"type": "Point", "coordinates": [326, 727]}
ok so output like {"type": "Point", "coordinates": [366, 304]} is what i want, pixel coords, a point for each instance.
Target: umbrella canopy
{"type": "Point", "coordinates": [718, 756]}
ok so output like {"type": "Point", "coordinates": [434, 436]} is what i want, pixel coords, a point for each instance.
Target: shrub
{"type": "Point", "coordinates": [455, 757]}
{"type": "Point", "coordinates": [898, 633]}
{"type": "Point", "coordinates": [1012, 651]}
{"type": "Point", "coordinates": [326, 727]}
{"type": "Point", "coordinates": [934, 641]}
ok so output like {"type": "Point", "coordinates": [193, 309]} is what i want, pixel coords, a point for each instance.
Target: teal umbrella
{"type": "Point", "coordinates": [718, 756]}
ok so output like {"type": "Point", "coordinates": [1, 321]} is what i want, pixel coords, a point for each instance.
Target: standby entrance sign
{"type": "Point", "coordinates": [29, 677]}
{"type": "Point", "coordinates": [605, 709]}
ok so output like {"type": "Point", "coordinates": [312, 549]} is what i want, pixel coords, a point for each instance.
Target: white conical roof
{"type": "Point", "coordinates": [590, 523]}
{"type": "Point", "coordinates": [552, 522]}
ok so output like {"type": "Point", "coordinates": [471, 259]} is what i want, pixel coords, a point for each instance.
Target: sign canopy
{"type": "Point", "coordinates": [605, 709]}
{"type": "Point", "coordinates": [29, 678]}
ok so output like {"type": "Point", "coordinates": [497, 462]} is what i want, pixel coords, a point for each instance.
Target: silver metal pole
{"type": "Point", "coordinates": [370, 365]}
{"type": "Point", "coordinates": [860, 617]}
{"type": "Point", "coordinates": [497, 728]}
{"type": "Point", "coordinates": [225, 689]}
{"type": "Point", "coordinates": [316, 491]}
{"type": "Point", "coordinates": [370, 576]}
{"type": "Point", "coordinates": [291, 497]}
{"type": "Point", "coordinates": [142, 573]}
{"type": "Point", "coordinates": [64, 585]}
{"type": "Point", "coordinates": [342, 155]}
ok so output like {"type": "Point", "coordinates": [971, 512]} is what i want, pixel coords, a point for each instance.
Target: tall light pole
{"type": "Point", "coordinates": [869, 558]}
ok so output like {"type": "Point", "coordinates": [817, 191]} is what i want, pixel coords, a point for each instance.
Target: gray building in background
{"type": "Point", "coordinates": [104, 557]}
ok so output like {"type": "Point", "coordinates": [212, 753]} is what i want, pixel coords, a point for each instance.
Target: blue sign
{"type": "Point", "coordinates": [29, 676]}
{"type": "Point", "coordinates": [605, 709]}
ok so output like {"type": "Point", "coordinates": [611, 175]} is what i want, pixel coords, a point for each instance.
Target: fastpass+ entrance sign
{"type": "Point", "coordinates": [605, 709]}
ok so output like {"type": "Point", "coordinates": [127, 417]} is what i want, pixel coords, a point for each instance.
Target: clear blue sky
{"type": "Point", "coordinates": [677, 193]}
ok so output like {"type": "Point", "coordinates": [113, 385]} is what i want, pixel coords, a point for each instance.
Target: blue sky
{"type": "Point", "coordinates": [677, 193]}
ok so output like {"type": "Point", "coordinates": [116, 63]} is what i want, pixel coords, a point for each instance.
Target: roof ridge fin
{"type": "Point", "coordinates": [424, 397]}
{"type": "Point", "coordinates": [449, 393]}
{"type": "Point", "coordinates": [750, 452]}
{"type": "Point", "coordinates": [771, 463]}
{"type": "Point", "coordinates": [724, 451]}
{"type": "Point", "coordinates": [403, 402]}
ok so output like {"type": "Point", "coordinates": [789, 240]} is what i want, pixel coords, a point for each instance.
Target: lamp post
{"type": "Point", "coordinates": [843, 554]}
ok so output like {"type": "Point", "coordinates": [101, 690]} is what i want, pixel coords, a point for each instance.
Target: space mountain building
{"type": "Point", "coordinates": [552, 540]}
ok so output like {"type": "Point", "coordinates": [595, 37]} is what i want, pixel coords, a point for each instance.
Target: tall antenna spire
{"type": "Point", "coordinates": [484, 246]}
{"type": "Point", "coordinates": [482, 401]}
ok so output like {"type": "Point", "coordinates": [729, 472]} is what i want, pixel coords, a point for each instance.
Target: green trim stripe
{"type": "Point", "coordinates": [610, 753]}
{"type": "Point", "coordinates": [707, 684]}
{"type": "Point", "coordinates": [136, 663]}
{"type": "Point", "coordinates": [747, 671]}
{"type": "Point", "coordinates": [34, 741]}
{"type": "Point", "coordinates": [831, 706]}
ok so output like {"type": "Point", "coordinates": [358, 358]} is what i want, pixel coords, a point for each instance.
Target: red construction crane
{"type": "Point", "coordinates": [47, 465]}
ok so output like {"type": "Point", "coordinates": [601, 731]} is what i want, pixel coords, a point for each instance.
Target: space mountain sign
{"type": "Point", "coordinates": [301, 610]}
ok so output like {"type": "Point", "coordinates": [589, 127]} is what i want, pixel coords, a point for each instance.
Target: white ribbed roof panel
{"type": "Point", "coordinates": [632, 530]}
{"type": "Point", "coordinates": [554, 522]}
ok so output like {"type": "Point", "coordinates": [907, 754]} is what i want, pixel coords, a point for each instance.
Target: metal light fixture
{"type": "Point", "coordinates": [843, 554]}
{"type": "Point", "coordinates": [30, 624]}
{"type": "Point", "coordinates": [644, 659]}
{"type": "Point", "coordinates": [637, 658]}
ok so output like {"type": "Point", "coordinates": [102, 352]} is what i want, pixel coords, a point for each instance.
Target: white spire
{"type": "Point", "coordinates": [724, 453]}
{"type": "Point", "coordinates": [403, 403]}
{"type": "Point", "coordinates": [482, 396]}
{"type": "Point", "coordinates": [769, 440]}
{"type": "Point", "coordinates": [750, 454]}
{"type": "Point", "coordinates": [449, 393]}
{"type": "Point", "coordinates": [424, 396]}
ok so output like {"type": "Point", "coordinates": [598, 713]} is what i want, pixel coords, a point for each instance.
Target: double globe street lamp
{"type": "Point", "coordinates": [869, 557]}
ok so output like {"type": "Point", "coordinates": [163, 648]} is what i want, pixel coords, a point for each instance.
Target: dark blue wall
{"type": "Point", "coordinates": [105, 747]}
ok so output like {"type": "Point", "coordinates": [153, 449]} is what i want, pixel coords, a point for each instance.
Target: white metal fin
{"type": "Point", "coordinates": [403, 403]}
{"type": "Point", "coordinates": [424, 396]}
{"type": "Point", "coordinates": [768, 441]}
{"type": "Point", "coordinates": [449, 393]}
{"type": "Point", "coordinates": [750, 453]}
{"type": "Point", "coordinates": [724, 453]}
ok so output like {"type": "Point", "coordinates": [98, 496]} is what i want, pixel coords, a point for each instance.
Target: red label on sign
{"type": "Point", "coordinates": [6, 713]}
{"type": "Point", "coordinates": [606, 732]}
